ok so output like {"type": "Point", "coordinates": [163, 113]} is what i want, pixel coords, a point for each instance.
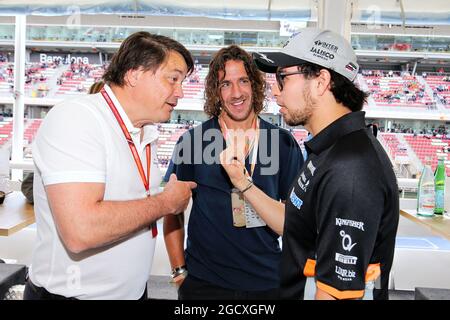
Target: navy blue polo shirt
{"type": "Point", "coordinates": [217, 252]}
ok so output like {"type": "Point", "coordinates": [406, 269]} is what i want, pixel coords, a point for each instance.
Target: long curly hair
{"type": "Point", "coordinates": [213, 102]}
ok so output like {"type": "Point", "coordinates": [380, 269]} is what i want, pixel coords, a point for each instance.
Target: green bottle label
{"type": "Point", "coordinates": [439, 182]}
{"type": "Point", "coordinates": [439, 206]}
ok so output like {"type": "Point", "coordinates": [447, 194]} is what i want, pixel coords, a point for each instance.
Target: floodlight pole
{"type": "Point", "coordinates": [19, 94]}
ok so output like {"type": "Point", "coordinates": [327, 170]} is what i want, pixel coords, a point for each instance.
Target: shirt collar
{"type": "Point", "coordinates": [150, 131]}
{"type": "Point", "coordinates": [346, 124]}
{"type": "Point", "coordinates": [131, 129]}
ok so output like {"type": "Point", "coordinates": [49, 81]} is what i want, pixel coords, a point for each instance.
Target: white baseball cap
{"type": "Point", "coordinates": [322, 47]}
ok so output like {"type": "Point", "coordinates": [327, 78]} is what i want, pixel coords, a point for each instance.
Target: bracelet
{"type": "Point", "coordinates": [179, 277]}
{"type": "Point", "coordinates": [179, 271]}
{"type": "Point", "coordinates": [250, 184]}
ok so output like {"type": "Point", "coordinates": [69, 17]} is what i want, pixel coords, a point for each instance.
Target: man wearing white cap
{"type": "Point", "coordinates": [342, 211]}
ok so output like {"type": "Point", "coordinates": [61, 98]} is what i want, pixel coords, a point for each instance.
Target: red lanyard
{"type": "Point", "coordinates": [137, 160]}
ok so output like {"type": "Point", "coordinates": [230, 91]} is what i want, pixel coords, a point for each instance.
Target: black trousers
{"type": "Point", "coordinates": [33, 292]}
{"type": "Point", "coordinates": [194, 288]}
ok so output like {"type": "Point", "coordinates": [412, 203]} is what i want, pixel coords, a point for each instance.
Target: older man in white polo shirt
{"type": "Point", "coordinates": [97, 180]}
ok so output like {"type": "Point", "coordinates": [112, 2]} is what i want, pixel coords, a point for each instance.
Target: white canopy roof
{"type": "Point", "coordinates": [386, 11]}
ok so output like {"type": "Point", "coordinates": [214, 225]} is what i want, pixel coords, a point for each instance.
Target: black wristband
{"type": "Point", "coordinates": [250, 184]}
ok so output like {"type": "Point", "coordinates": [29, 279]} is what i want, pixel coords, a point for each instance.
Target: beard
{"type": "Point", "coordinates": [301, 116]}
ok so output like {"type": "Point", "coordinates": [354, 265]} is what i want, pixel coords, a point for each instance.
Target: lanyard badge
{"type": "Point", "coordinates": [134, 152]}
{"type": "Point", "coordinates": [243, 213]}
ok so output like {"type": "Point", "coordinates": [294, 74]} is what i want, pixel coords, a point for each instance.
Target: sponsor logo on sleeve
{"type": "Point", "coordinates": [345, 259]}
{"type": "Point", "coordinates": [344, 274]}
{"type": "Point", "coordinates": [350, 223]}
{"type": "Point", "coordinates": [347, 243]}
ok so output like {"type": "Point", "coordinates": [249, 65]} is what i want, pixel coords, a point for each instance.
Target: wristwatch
{"type": "Point", "coordinates": [178, 271]}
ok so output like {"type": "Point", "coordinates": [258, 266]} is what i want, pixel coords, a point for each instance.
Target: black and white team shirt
{"type": "Point", "coordinates": [342, 215]}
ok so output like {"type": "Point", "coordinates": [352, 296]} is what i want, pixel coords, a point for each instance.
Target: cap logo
{"type": "Point", "coordinates": [322, 54]}
{"type": "Point", "coordinates": [290, 38]}
{"type": "Point", "coordinates": [350, 67]}
{"type": "Point", "coordinates": [327, 46]}
{"type": "Point", "coordinates": [264, 57]}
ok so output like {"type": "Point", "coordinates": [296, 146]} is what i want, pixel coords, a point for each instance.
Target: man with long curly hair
{"type": "Point", "coordinates": [232, 251]}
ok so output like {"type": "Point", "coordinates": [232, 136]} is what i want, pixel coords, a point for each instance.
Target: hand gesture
{"type": "Point", "coordinates": [176, 194]}
{"type": "Point", "coordinates": [234, 167]}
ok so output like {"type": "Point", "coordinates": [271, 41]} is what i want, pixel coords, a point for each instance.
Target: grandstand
{"type": "Point", "coordinates": [440, 86]}
{"type": "Point", "coordinates": [394, 90]}
{"type": "Point", "coordinates": [5, 132]}
{"type": "Point", "coordinates": [429, 149]}
{"type": "Point", "coordinates": [389, 90]}
{"type": "Point", "coordinates": [168, 137]}
{"type": "Point", "coordinates": [31, 128]}
{"type": "Point", "coordinates": [393, 146]}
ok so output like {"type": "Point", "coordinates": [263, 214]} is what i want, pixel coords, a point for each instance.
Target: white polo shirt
{"type": "Point", "coordinates": [81, 141]}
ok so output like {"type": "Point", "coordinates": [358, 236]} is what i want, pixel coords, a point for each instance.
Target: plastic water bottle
{"type": "Point", "coordinates": [426, 193]}
{"type": "Point", "coordinates": [439, 187]}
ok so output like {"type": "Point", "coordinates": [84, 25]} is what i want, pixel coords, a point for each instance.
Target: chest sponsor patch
{"type": "Point", "coordinates": [295, 200]}
{"type": "Point", "coordinates": [302, 182]}
{"type": "Point", "coordinates": [311, 168]}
